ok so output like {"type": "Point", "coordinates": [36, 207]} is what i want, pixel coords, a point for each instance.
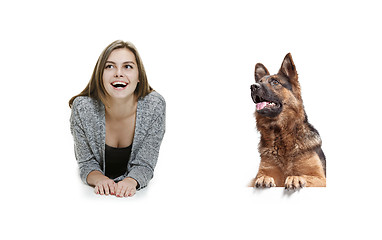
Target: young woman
{"type": "Point", "coordinates": [118, 123]}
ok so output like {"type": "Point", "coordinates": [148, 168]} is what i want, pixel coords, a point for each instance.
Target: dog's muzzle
{"type": "Point", "coordinates": [255, 87]}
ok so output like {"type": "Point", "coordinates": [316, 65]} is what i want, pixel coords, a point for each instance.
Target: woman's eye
{"type": "Point", "coordinates": [109, 66]}
{"type": "Point", "coordinates": [128, 66]}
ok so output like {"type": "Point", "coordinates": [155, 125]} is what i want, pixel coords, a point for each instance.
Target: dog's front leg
{"type": "Point", "coordinates": [296, 182]}
{"type": "Point", "coordinates": [269, 174]}
{"type": "Point", "coordinates": [308, 172]}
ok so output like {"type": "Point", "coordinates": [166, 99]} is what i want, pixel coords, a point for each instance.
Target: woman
{"type": "Point", "coordinates": [118, 123]}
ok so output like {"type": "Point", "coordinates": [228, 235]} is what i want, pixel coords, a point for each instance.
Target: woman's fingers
{"type": "Point", "coordinates": [101, 189]}
{"type": "Point", "coordinates": [126, 188]}
{"type": "Point", "coordinates": [130, 192]}
{"type": "Point", "coordinates": [121, 189]}
{"type": "Point", "coordinates": [112, 188]}
{"type": "Point", "coordinates": [106, 187]}
{"type": "Point", "coordinates": [127, 193]}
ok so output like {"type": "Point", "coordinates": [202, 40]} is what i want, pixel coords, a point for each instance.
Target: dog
{"type": "Point", "coordinates": [290, 147]}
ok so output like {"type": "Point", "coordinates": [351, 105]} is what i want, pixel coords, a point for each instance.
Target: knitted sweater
{"type": "Point", "coordinates": [87, 124]}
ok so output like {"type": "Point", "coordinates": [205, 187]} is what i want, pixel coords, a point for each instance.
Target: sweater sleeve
{"type": "Point", "coordinates": [143, 165]}
{"type": "Point", "coordinates": [83, 153]}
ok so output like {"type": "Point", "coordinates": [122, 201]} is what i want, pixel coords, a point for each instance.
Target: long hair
{"type": "Point", "coordinates": [95, 88]}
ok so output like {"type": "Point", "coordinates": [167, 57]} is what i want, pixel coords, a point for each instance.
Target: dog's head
{"type": "Point", "coordinates": [274, 93]}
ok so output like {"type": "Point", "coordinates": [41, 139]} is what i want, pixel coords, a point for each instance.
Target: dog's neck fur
{"type": "Point", "coordinates": [271, 130]}
{"type": "Point", "coordinates": [294, 137]}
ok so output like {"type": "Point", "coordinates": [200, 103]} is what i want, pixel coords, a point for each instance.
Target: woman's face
{"type": "Point", "coordinates": [120, 76]}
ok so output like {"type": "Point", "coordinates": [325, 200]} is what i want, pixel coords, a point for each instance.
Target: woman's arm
{"type": "Point", "coordinates": [84, 155]}
{"type": "Point", "coordinates": [142, 166]}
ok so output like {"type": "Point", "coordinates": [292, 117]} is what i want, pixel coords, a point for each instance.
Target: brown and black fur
{"type": "Point", "coordinates": [290, 147]}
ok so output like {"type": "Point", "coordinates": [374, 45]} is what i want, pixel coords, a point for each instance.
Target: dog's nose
{"type": "Point", "coordinates": [255, 87]}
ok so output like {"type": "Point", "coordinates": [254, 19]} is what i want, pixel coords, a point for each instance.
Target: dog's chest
{"type": "Point", "coordinates": [278, 146]}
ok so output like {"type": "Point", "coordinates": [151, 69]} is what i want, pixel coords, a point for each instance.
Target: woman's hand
{"type": "Point", "coordinates": [105, 186]}
{"type": "Point", "coordinates": [102, 184]}
{"type": "Point", "coordinates": [126, 188]}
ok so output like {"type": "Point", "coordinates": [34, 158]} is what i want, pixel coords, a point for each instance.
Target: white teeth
{"type": "Point", "coordinates": [120, 83]}
{"type": "Point", "coordinates": [271, 104]}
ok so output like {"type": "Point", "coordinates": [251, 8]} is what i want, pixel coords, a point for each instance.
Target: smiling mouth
{"type": "Point", "coordinates": [262, 104]}
{"type": "Point", "coordinates": [119, 85]}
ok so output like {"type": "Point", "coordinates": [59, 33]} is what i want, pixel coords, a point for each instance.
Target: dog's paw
{"type": "Point", "coordinates": [265, 182]}
{"type": "Point", "coordinates": [295, 182]}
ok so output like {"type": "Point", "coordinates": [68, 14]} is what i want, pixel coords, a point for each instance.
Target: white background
{"type": "Point", "coordinates": [200, 55]}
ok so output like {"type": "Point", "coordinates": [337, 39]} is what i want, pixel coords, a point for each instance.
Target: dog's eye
{"type": "Point", "coordinates": [274, 82]}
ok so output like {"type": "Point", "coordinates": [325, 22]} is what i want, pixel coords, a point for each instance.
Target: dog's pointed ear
{"type": "Point", "coordinates": [260, 71]}
{"type": "Point", "coordinates": [288, 68]}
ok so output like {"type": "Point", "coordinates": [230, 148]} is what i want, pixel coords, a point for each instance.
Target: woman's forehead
{"type": "Point", "coordinates": [121, 55]}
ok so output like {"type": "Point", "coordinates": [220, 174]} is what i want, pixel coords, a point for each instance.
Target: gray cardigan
{"type": "Point", "coordinates": [87, 124]}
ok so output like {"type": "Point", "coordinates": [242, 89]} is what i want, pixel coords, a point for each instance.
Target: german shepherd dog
{"type": "Point", "coordinates": [290, 147]}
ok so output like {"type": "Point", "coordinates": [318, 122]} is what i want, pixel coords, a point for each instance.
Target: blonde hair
{"type": "Point", "coordinates": [95, 87]}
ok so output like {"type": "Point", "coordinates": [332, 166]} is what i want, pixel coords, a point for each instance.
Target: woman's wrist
{"type": "Point", "coordinates": [131, 180]}
{"type": "Point", "coordinates": [94, 177]}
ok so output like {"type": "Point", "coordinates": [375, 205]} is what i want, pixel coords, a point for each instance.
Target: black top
{"type": "Point", "coordinates": [116, 160]}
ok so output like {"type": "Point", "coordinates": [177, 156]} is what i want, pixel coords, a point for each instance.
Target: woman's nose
{"type": "Point", "coordinates": [118, 73]}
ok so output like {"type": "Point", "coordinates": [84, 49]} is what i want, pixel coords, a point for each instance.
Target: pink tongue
{"type": "Point", "coordinates": [261, 105]}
